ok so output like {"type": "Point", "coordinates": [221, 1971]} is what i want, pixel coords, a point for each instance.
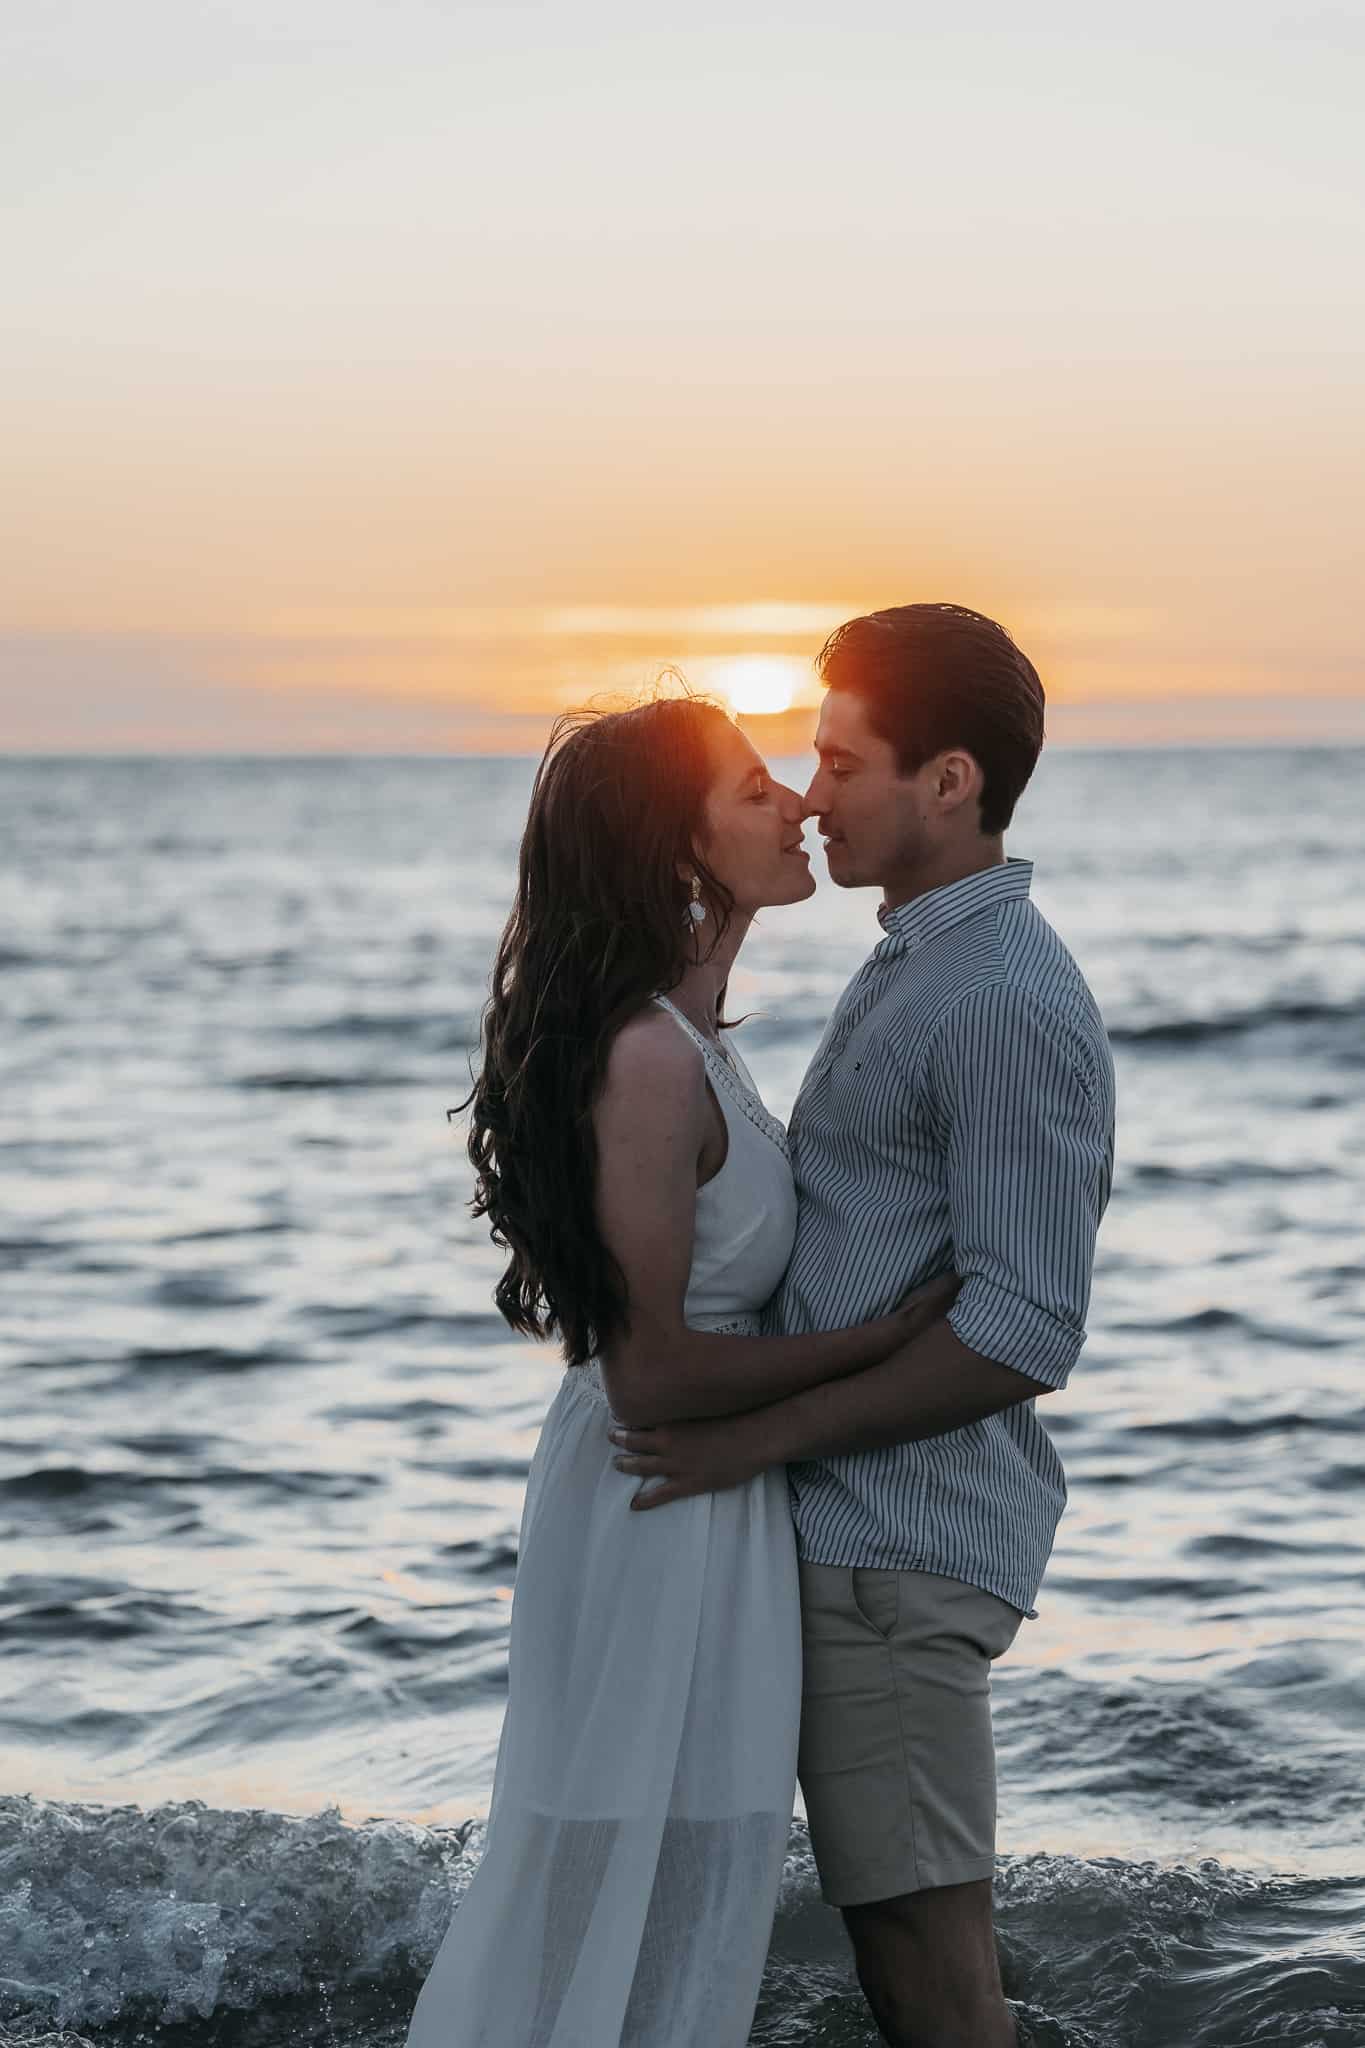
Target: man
{"type": "Point", "coordinates": [957, 1116]}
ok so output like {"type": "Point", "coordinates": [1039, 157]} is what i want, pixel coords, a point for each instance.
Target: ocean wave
{"type": "Point", "coordinates": [23, 1251]}
{"type": "Point", "coordinates": [1198, 1031]}
{"type": "Point", "coordinates": [304, 1081]}
{"type": "Point", "coordinates": [116, 1918]}
{"type": "Point", "coordinates": [1230, 1172]}
{"type": "Point", "coordinates": [1146, 1956]}
{"type": "Point", "coordinates": [120, 1914]}
{"type": "Point", "coordinates": [442, 1030]}
{"type": "Point", "coordinates": [359, 1322]}
{"type": "Point", "coordinates": [116, 1485]}
{"type": "Point", "coordinates": [205, 1358]}
{"type": "Point", "coordinates": [1168, 1747]}
{"type": "Point", "coordinates": [1223, 1428]}
{"type": "Point", "coordinates": [1328, 1029]}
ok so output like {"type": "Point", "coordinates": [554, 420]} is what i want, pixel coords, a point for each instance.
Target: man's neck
{"type": "Point", "coordinates": [900, 889]}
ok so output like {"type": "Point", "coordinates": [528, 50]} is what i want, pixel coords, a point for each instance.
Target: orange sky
{"type": "Point", "coordinates": [386, 379]}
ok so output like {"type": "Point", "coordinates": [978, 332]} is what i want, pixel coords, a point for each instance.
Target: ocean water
{"type": "Point", "coordinates": [263, 1442]}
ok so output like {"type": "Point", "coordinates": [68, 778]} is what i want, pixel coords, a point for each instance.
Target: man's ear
{"type": "Point", "coordinates": [957, 779]}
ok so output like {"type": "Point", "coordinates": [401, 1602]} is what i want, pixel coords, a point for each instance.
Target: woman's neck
{"type": "Point", "coordinates": [697, 995]}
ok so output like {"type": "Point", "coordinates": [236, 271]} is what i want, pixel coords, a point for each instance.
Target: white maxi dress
{"type": "Point", "coordinates": [645, 1777]}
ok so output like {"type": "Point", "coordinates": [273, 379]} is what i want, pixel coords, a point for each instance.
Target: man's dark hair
{"type": "Point", "coordinates": [937, 676]}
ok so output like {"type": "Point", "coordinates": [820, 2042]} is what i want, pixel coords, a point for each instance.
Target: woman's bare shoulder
{"type": "Point", "coordinates": [651, 1058]}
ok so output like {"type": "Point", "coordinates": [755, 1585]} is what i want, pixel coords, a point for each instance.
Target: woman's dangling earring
{"type": "Point", "coordinates": [696, 909]}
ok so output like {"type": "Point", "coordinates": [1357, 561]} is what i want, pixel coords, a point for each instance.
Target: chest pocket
{"type": "Point", "coordinates": [866, 1094]}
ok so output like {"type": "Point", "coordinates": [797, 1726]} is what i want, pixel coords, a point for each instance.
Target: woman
{"type": "Point", "coordinates": [645, 1778]}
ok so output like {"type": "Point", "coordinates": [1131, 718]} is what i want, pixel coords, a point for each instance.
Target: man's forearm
{"type": "Point", "coordinates": [931, 1386]}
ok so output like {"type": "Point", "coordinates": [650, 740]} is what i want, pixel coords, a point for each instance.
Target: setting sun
{"type": "Point", "coordinates": [760, 682]}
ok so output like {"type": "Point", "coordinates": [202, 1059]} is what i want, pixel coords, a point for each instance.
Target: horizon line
{"type": "Point", "coordinates": [1246, 744]}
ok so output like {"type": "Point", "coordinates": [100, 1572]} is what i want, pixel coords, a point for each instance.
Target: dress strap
{"type": "Point", "coordinates": [698, 1038]}
{"type": "Point", "coordinates": [720, 1066]}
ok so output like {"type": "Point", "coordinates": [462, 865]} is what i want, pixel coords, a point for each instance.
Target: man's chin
{"type": "Point", "coordinates": [842, 871]}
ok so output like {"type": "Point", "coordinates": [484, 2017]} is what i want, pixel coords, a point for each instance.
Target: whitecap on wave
{"type": "Point", "coordinates": [213, 1925]}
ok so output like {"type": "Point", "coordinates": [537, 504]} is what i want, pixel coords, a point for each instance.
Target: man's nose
{"type": "Point", "coordinates": [811, 807]}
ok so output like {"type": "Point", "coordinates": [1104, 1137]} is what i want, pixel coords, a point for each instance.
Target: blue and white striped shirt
{"type": "Point", "coordinates": [958, 1115]}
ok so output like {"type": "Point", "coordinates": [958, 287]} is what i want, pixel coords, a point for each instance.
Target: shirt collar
{"type": "Point", "coordinates": [925, 917]}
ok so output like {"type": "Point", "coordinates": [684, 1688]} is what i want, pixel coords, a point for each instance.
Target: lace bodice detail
{"type": "Point", "coordinates": [727, 1072]}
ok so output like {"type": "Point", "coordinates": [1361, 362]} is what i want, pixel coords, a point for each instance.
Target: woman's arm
{"type": "Point", "coordinates": [652, 1128]}
{"type": "Point", "coordinates": [936, 1385]}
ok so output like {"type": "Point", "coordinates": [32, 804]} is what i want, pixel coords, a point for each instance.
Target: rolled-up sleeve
{"type": "Point", "coordinates": [1029, 1135]}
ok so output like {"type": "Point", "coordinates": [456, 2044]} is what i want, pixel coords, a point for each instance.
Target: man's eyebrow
{"type": "Point", "coordinates": [827, 753]}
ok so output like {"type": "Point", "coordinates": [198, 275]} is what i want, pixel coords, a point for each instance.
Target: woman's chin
{"type": "Point", "coordinates": [797, 890]}
{"type": "Point", "coordinates": [794, 883]}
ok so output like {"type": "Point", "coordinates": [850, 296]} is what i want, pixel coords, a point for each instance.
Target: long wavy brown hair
{"type": "Point", "coordinates": [600, 924]}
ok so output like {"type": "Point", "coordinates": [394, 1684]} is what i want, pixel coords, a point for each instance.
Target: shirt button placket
{"type": "Point", "coordinates": [859, 1001]}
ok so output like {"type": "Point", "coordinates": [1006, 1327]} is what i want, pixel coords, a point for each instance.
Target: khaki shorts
{"type": "Point", "coordinates": [897, 1755]}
